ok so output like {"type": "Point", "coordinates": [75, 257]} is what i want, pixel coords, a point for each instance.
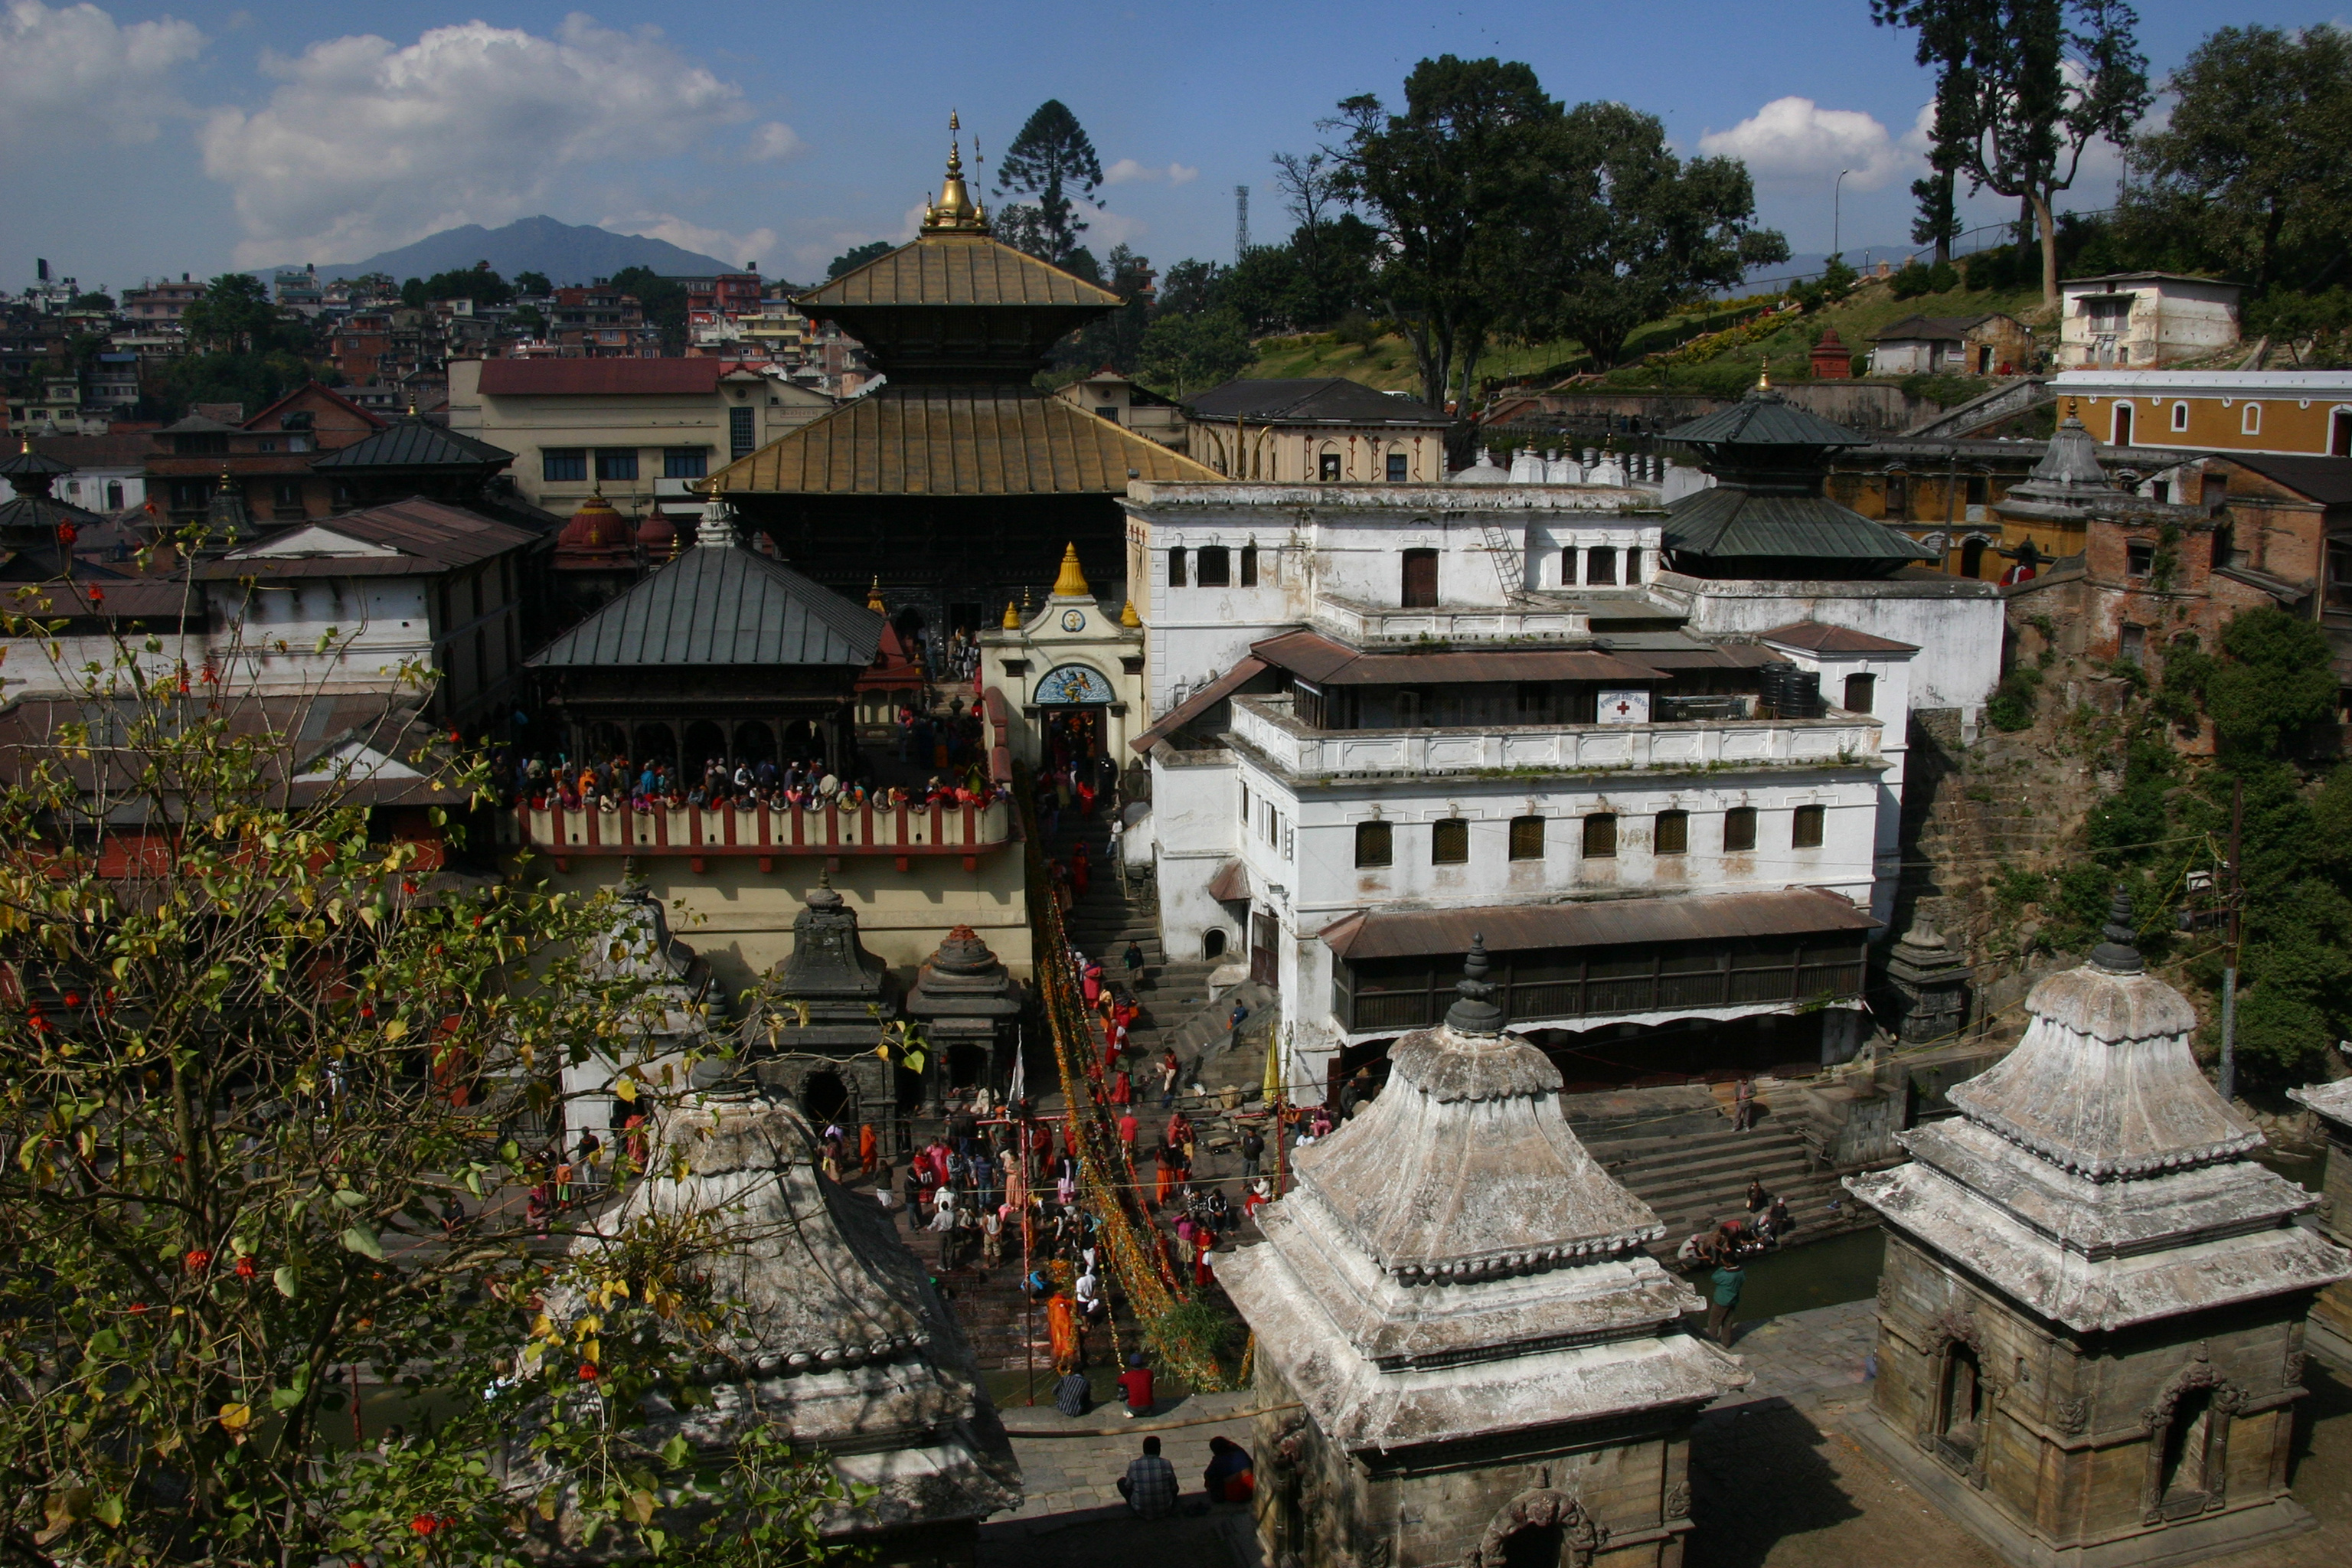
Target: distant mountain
{"type": "Point", "coordinates": [567, 253]}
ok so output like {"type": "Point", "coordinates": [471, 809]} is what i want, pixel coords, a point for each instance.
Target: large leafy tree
{"type": "Point", "coordinates": [233, 315]}
{"type": "Point", "coordinates": [2250, 174]}
{"type": "Point", "coordinates": [1449, 182]}
{"type": "Point", "coordinates": [2022, 87]}
{"type": "Point", "coordinates": [1053, 163]}
{"type": "Point", "coordinates": [1628, 230]}
{"type": "Point", "coordinates": [263, 1071]}
{"type": "Point", "coordinates": [663, 301]}
{"type": "Point", "coordinates": [858, 256]}
{"type": "Point", "coordinates": [1182, 356]}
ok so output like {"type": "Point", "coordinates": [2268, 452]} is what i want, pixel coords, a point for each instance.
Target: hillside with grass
{"type": "Point", "coordinates": [1385, 360]}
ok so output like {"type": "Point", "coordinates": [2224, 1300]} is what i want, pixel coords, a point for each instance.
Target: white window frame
{"type": "Point", "coordinates": [2250, 420]}
{"type": "Point", "coordinates": [2180, 415]}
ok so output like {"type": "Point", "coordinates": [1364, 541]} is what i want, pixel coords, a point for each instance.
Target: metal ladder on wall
{"type": "Point", "coordinates": [1509, 559]}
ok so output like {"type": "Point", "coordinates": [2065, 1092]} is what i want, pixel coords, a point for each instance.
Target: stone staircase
{"type": "Point", "coordinates": [1678, 1152]}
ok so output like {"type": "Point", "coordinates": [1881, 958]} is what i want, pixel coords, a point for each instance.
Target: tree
{"type": "Point", "coordinates": [412, 294]}
{"type": "Point", "coordinates": [374, 288]}
{"type": "Point", "coordinates": [1052, 161]}
{"type": "Point", "coordinates": [662, 299]}
{"type": "Point", "coordinates": [234, 314]}
{"type": "Point", "coordinates": [2250, 170]}
{"type": "Point", "coordinates": [850, 260]}
{"type": "Point", "coordinates": [2022, 88]}
{"type": "Point", "coordinates": [1939, 223]}
{"type": "Point", "coordinates": [533, 283]}
{"type": "Point", "coordinates": [1115, 340]}
{"type": "Point", "coordinates": [1184, 354]}
{"type": "Point", "coordinates": [1189, 286]}
{"type": "Point", "coordinates": [1630, 230]}
{"type": "Point", "coordinates": [92, 301]}
{"type": "Point", "coordinates": [252, 1049]}
{"type": "Point", "coordinates": [477, 283]}
{"type": "Point", "coordinates": [2274, 684]}
{"type": "Point", "coordinates": [1448, 183]}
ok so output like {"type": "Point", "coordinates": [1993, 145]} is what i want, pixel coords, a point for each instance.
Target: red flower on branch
{"type": "Point", "coordinates": [244, 1267]}
{"type": "Point", "coordinates": [199, 1260]}
{"type": "Point", "coordinates": [424, 1524]}
{"type": "Point", "coordinates": [588, 1372]}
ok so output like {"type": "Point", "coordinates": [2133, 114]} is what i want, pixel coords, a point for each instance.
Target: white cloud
{"type": "Point", "coordinates": [1795, 139]}
{"type": "Point", "coordinates": [365, 144]}
{"type": "Point", "coordinates": [72, 69]}
{"type": "Point", "coordinates": [1126, 170]}
{"type": "Point", "coordinates": [728, 246]}
{"type": "Point", "coordinates": [1105, 228]}
{"type": "Point", "coordinates": [773, 143]}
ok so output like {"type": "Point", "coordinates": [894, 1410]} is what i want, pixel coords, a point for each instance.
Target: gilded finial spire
{"type": "Point", "coordinates": [1072, 582]}
{"type": "Point", "coordinates": [1011, 617]}
{"type": "Point", "coordinates": [1764, 377]}
{"type": "Point", "coordinates": [874, 597]}
{"type": "Point", "coordinates": [955, 211]}
{"type": "Point", "coordinates": [1127, 616]}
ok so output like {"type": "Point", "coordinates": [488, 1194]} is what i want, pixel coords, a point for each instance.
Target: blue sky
{"type": "Point", "coordinates": [147, 140]}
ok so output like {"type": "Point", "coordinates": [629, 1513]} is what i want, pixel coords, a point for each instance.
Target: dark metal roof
{"type": "Point", "coordinates": [1728, 523]}
{"type": "Point", "coordinates": [427, 536]}
{"type": "Point", "coordinates": [2327, 481]}
{"type": "Point", "coordinates": [1834, 639]}
{"type": "Point", "coordinates": [1200, 702]}
{"type": "Point", "coordinates": [1311, 399]}
{"type": "Point", "coordinates": [1728, 655]}
{"type": "Point", "coordinates": [198, 425]}
{"type": "Point", "coordinates": [25, 461]}
{"type": "Point", "coordinates": [1514, 928]}
{"type": "Point", "coordinates": [720, 605]}
{"type": "Point", "coordinates": [975, 440]}
{"type": "Point", "coordinates": [415, 442]}
{"type": "Point", "coordinates": [1764, 418]}
{"type": "Point", "coordinates": [1318, 659]}
{"type": "Point", "coordinates": [1936, 328]}
{"type": "Point", "coordinates": [956, 270]}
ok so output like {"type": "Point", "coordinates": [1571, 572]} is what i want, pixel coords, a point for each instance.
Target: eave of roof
{"type": "Point", "coordinates": [1823, 638]}
{"type": "Point", "coordinates": [1728, 523]}
{"type": "Point", "coordinates": [976, 440]}
{"type": "Point", "coordinates": [1318, 659]}
{"type": "Point", "coordinates": [1200, 702]}
{"type": "Point", "coordinates": [415, 442]}
{"type": "Point", "coordinates": [1608, 923]}
{"type": "Point", "coordinates": [954, 269]}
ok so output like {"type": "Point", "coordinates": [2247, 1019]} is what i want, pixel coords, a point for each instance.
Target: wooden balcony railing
{"type": "Point", "coordinates": [767, 834]}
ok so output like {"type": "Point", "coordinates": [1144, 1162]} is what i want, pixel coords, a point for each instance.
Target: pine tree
{"type": "Point", "coordinates": [1053, 161]}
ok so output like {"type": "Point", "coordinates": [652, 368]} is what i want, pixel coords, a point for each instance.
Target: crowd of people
{"type": "Point", "coordinates": [1720, 1257]}
{"type": "Point", "coordinates": [805, 784]}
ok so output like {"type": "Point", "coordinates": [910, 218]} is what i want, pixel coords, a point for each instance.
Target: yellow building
{"type": "Point", "coordinates": [2290, 413]}
{"type": "Point", "coordinates": [1320, 430]}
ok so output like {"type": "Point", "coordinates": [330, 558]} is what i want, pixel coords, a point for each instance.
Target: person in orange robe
{"type": "Point", "coordinates": [1061, 1324]}
{"type": "Point", "coordinates": [869, 1148]}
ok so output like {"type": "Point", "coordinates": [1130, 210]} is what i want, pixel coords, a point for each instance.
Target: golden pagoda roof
{"type": "Point", "coordinates": [979, 441]}
{"type": "Point", "coordinates": [956, 268]}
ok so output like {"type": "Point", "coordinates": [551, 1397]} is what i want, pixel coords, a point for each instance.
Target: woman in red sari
{"type": "Point", "coordinates": [1081, 868]}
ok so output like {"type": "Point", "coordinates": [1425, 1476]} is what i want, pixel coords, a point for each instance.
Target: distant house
{"type": "Point", "coordinates": [1991, 343]}
{"type": "Point", "coordinates": [1118, 399]}
{"type": "Point", "coordinates": [2293, 412]}
{"type": "Point", "coordinates": [2142, 320]}
{"type": "Point", "coordinates": [631, 429]}
{"type": "Point", "coordinates": [266, 459]}
{"type": "Point", "coordinates": [1318, 430]}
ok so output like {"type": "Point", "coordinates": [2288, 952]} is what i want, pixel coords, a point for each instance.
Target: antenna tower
{"type": "Point", "coordinates": [1240, 223]}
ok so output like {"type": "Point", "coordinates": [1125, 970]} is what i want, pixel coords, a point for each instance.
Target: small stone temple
{"type": "Point", "coordinates": [1929, 983]}
{"type": "Point", "coordinates": [837, 1337]}
{"type": "Point", "coordinates": [2330, 1330]}
{"type": "Point", "coordinates": [815, 1019]}
{"type": "Point", "coordinates": [2091, 1320]}
{"type": "Point", "coordinates": [1488, 1366]}
{"type": "Point", "coordinates": [969, 1008]}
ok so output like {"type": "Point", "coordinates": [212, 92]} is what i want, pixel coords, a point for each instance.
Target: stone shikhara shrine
{"type": "Point", "coordinates": [2091, 1335]}
{"type": "Point", "coordinates": [1477, 1361]}
{"type": "Point", "coordinates": [2330, 1328]}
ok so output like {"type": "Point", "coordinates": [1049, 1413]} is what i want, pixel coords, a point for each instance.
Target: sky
{"type": "Point", "coordinates": [149, 141]}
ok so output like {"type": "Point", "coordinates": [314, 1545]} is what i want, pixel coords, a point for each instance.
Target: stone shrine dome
{"type": "Point", "coordinates": [2093, 1174]}
{"type": "Point", "coordinates": [1454, 1265]}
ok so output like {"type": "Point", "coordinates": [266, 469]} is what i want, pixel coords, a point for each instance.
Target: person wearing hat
{"type": "Point", "coordinates": [1135, 1383]}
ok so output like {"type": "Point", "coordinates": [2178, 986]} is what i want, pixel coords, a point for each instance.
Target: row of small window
{"type": "Point", "coordinates": [568, 465]}
{"type": "Point", "coordinates": [1449, 839]}
{"type": "Point", "coordinates": [1212, 566]}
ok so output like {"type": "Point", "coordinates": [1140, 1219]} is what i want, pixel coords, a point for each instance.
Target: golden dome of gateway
{"type": "Point", "coordinates": [955, 212]}
{"type": "Point", "coordinates": [1072, 582]}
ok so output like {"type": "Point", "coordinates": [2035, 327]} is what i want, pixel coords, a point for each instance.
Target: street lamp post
{"type": "Point", "coordinates": [1837, 213]}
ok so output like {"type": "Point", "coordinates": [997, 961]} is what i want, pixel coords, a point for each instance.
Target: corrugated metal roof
{"type": "Point", "coordinates": [956, 440]}
{"type": "Point", "coordinates": [1200, 702]}
{"type": "Point", "coordinates": [956, 270]}
{"type": "Point", "coordinates": [1514, 928]}
{"type": "Point", "coordinates": [1936, 329]}
{"type": "Point", "coordinates": [1727, 521]}
{"type": "Point", "coordinates": [414, 442]}
{"type": "Point", "coordinates": [720, 605]}
{"type": "Point", "coordinates": [429, 536]}
{"type": "Point", "coordinates": [1765, 418]}
{"type": "Point", "coordinates": [1318, 659]}
{"type": "Point", "coordinates": [599, 378]}
{"type": "Point", "coordinates": [1306, 399]}
{"type": "Point", "coordinates": [2327, 481]}
{"type": "Point", "coordinates": [1834, 639]}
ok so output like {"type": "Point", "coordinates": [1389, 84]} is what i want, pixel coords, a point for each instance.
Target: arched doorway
{"type": "Point", "coordinates": [1972, 553]}
{"type": "Point", "coordinates": [1076, 700]}
{"type": "Point", "coordinates": [1537, 1546]}
{"type": "Point", "coordinates": [655, 743]}
{"type": "Point", "coordinates": [706, 744]}
{"type": "Point", "coordinates": [2123, 425]}
{"type": "Point", "coordinates": [754, 742]}
{"type": "Point", "coordinates": [824, 1098]}
{"type": "Point", "coordinates": [1213, 943]}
